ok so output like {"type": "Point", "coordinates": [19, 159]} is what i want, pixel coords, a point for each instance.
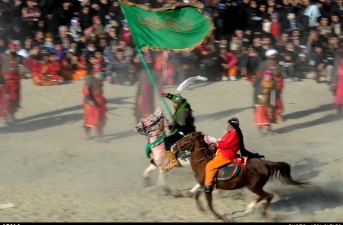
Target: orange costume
{"type": "Point", "coordinates": [226, 152]}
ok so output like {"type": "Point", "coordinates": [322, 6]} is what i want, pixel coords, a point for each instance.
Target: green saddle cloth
{"type": "Point", "coordinates": [228, 172]}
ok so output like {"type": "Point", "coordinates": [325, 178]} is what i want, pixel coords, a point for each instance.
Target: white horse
{"type": "Point", "coordinates": [154, 127]}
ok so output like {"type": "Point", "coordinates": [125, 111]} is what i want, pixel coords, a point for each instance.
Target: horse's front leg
{"type": "Point", "coordinates": [196, 196]}
{"type": "Point", "coordinates": [146, 175]}
{"type": "Point", "coordinates": [162, 176]}
{"type": "Point", "coordinates": [210, 206]}
{"type": "Point", "coordinates": [148, 170]}
{"type": "Point", "coordinates": [195, 188]}
{"type": "Point", "coordinates": [251, 206]}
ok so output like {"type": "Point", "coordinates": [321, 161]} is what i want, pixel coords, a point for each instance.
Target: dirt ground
{"type": "Point", "coordinates": [52, 174]}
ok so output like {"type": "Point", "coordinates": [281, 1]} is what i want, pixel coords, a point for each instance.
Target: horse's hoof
{"type": "Point", "coordinates": [147, 182]}
{"type": "Point", "coordinates": [265, 216]}
{"type": "Point", "coordinates": [178, 194]}
{"type": "Point", "coordinates": [228, 219]}
{"type": "Point", "coordinates": [190, 194]}
{"type": "Point", "coordinates": [167, 191]}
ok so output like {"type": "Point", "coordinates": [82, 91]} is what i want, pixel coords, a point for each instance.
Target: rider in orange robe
{"type": "Point", "coordinates": [226, 152]}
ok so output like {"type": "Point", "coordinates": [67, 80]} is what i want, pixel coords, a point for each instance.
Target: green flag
{"type": "Point", "coordinates": [177, 28]}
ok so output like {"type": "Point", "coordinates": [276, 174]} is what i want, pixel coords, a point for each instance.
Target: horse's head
{"type": "Point", "coordinates": [190, 144]}
{"type": "Point", "coordinates": [153, 122]}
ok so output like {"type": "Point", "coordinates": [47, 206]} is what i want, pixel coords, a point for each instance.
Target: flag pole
{"type": "Point", "coordinates": [153, 80]}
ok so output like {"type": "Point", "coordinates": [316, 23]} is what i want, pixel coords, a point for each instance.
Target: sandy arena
{"type": "Point", "coordinates": [52, 174]}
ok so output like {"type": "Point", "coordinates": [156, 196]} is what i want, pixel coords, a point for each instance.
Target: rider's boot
{"type": "Point", "coordinates": [208, 189]}
{"type": "Point", "coordinates": [172, 160]}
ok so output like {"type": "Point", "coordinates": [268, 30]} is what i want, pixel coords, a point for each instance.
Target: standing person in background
{"type": "Point", "coordinates": [3, 101]}
{"type": "Point", "coordinates": [145, 104]}
{"type": "Point", "coordinates": [30, 15]}
{"type": "Point", "coordinates": [271, 64]}
{"type": "Point", "coordinates": [337, 81]}
{"type": "Point", "coordinates": [94, 104]}
{"type": "Point", "coordinates": [164, 69]}
{"type": "Point", "coordinates": [145, 95]}
{"type": "Point", "coordinates": [10, 69]}
{"type": "Point", "coordinates": [265, 102]}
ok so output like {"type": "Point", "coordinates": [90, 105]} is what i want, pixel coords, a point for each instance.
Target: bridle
{"type": "Point", "coordinates": [187, 144]}
{"type": "Point", "coordinates": [148, 129]}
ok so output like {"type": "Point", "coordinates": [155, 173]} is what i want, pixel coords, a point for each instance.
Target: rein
{"type": "Point", "coordinates": [192, 149]}
{"type": "Point", "coordinates": [146, 129]}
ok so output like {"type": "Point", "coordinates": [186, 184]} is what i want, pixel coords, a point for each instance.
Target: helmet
{"type": "Point", "coordinates": [177, 99]}
{"type": "Point", "coordinates": [234, 121]}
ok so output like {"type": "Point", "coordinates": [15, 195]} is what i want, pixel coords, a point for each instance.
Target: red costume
{"type": "Point", "coordinates": [10, 89]}
{"type": "Point", "coordinates": [275, 29]}
{"type": "Point", "coordinates": [54, 69]}
{"type": "Point", "coordinates": [227, 62]}
{"type": "Point", "coordinates": [48, 73]}
{"type": "Point", "coordinates": [339, 88]}
{"type": "Point", "coordinates": [94, 105]}
{"type": "Point", "coordinates": [33, 65]}
{"type": "Point", "coordinates": [165, 69]}
{"type": "Point", "coordinates": [126, 35]}
{"type": "Point", "coordinates": [145, 103]}
{"type": "Point", "coordinates": [40, 76]}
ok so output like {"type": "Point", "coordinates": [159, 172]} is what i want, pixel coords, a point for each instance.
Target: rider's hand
{"type": "Point", "coordinates": [163, 94]}
{"type": "Point", "coordinates": [170, 122]}
{"type": "Point", "coordinates": [209, 139]}
{"type": "Point", "coordinates": [212, 147]}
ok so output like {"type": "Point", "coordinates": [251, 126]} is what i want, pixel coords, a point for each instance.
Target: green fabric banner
{"type": "Point", "coordinates": [177, 28]}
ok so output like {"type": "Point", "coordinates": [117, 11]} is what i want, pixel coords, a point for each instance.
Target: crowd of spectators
{"type": "Point", "coordinates": [92, 35]}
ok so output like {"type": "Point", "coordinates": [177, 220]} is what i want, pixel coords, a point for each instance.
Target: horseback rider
{"type": "Point", "coordinates": [226, 151]}
{"type": "Point", "coordinates": [181, 124]}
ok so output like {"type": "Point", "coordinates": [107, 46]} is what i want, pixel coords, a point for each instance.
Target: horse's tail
{"type": "Point", "coordinates": [282, 171]}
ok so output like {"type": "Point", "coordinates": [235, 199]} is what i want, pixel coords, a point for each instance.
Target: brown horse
{"type": "Point", "coordinates": [253, 176]}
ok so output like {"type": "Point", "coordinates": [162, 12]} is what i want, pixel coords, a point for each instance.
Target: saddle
{"type": "Point", "coordinates": [228, 172]}
{"type": "Point", "coordinates": [231, 170]}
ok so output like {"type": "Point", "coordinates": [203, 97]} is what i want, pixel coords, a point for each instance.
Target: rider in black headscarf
{"type": "Point", "coordinates": [245, 153]}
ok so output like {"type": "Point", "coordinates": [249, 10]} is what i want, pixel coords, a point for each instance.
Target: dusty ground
{"type": "Point", "coordinates": [51, 174]}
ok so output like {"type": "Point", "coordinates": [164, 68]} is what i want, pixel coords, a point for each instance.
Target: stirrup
{"type": "Point", "coordinates": [208, 189]}
{"type": "Point", "coordinates": [171, 165]}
